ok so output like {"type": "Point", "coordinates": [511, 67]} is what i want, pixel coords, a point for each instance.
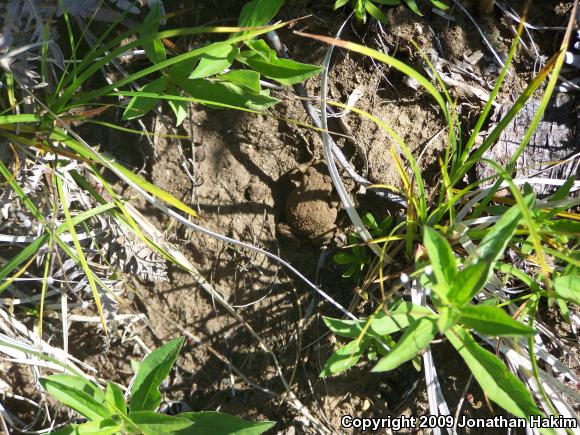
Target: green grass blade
{"type": "Point", "coordinates": [496, 132]}
{"type": "Point", "coordinates": [484, 114]}
{"type": "Point", "coordinates": [79, 250]}
{"type": "Point", "coordinates": [557, 66]}
{"type": "Point", "coordinates": [16, 119]}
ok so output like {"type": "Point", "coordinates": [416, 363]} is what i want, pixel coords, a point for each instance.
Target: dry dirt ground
{"type": "Point", "coordinates": [243, 174]}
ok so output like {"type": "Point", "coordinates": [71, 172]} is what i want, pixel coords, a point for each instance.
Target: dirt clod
{"type": "Point", "coordinates": [310, 208]}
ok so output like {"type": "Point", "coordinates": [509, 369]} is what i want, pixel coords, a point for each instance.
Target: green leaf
{"type": "Point", "coordinates": [115, 400]}
{"type": "Point", "coordinates": [96, 427]}
{"type": "Point", "coordinates": [183, 69]}
{"type": "Point", "coordinates": [261, 48]}
{"type": "Point", "coordinates": [179, 107]}
{"type": "Point", "coordinates": [469, 282]}
{"type": "Point", "coordinates": [493, 245]}
{"type": "Point", "coordinates": [81, 400]}
{"type": "Point", "coordinates": [386, 224]}
{"type": "Point", "coordinates": [398, 319]}
{"type": "Point", "coordinates": [80, 384]}
{"type": "Point", "coordinates": [220, 93]}
{"type": "Point", "coordinates": [99, 427]}
{"type": "Point", "coordinates": [344, 328]}
{"type": "Point", "coordinates": [219, 423]}
{"type": "Point", "coordinates": [370, 221]}
{"type": "Point", "coordinates": [153, 423]}
{"type": "Point", "coordinates": [284, 71]}
{"type": "Point", "coordinates": [244, 78]}
{"type": "Point", "coordinates": [344, 358]}
{"type": "Point", "coordinates": [343, 258]}
{"type": "Point", "coordinates": [139, 106]}
{"type": "Point", "coordinates": [448, 317]}
{"type": "Point", "coordinates": [413, 6]}
{"type": "Point", "coordinates": [359, 10]}
{"type": "Point", "coordinates": [480, 265]}
{"type": "Point", "coordinates": [441, 256]}
{"type": "Point", "coordinates": [489, 320]}
{"type": "Point", "coordinates": [565, 226]}
{"type": "Point", "coordinates": [66, 430]}
{"type": "Point", "coordinates": [154, 50]}
{"type": "Point", "coordinates": [563, 191]}
{"type": "Point", "coordinates": [63, 100]}
{"type": "Point", "coordinates": [564, 310]}
{"type": "Point", "coordinates": [258, 101]}
{"type": "Point", "coordinates": [153, 369]}
{"type": "Point", "coordinates": [440, 4]}
{"type": "Point", "coordinates": [350, 271]}
{"type": "Point", "coordinates": [340, 3]}
{"type": "Point", "coordinates": [259, 12]}
{"type": "Point", "coordinates": [496, 381]}
{"type": "Point", "coordinates": [180, 110]}
{"type": "Point", "coordinates": [214, 61]}
{"type": "Point", "coordinates": [376, 13]}
{"type": "Point", "coordinates": [417, 337]}
{"type": "Point", "coordinates": [568, 287]}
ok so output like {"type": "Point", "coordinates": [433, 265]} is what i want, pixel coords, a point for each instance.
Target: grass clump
{"type": "Point", "coordinates": [457, 240]}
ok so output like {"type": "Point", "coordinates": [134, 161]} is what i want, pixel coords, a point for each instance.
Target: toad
{"type": "Point", "coordinates": [312, 208]}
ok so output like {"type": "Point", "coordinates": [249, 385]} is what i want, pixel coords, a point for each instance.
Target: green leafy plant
{"type": "Point", "coordinates": [108, 412]}
{"type": "Point", "coordinates": [372, 7]}
{"type": "Point", "coordinates": [465, 242]}
{"type": "Point", "coordinates": [453, 286]}
{"type": "Point", "coordinates": [207, 79]}
{"type": "Point", "coordinates": [358, 258]}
